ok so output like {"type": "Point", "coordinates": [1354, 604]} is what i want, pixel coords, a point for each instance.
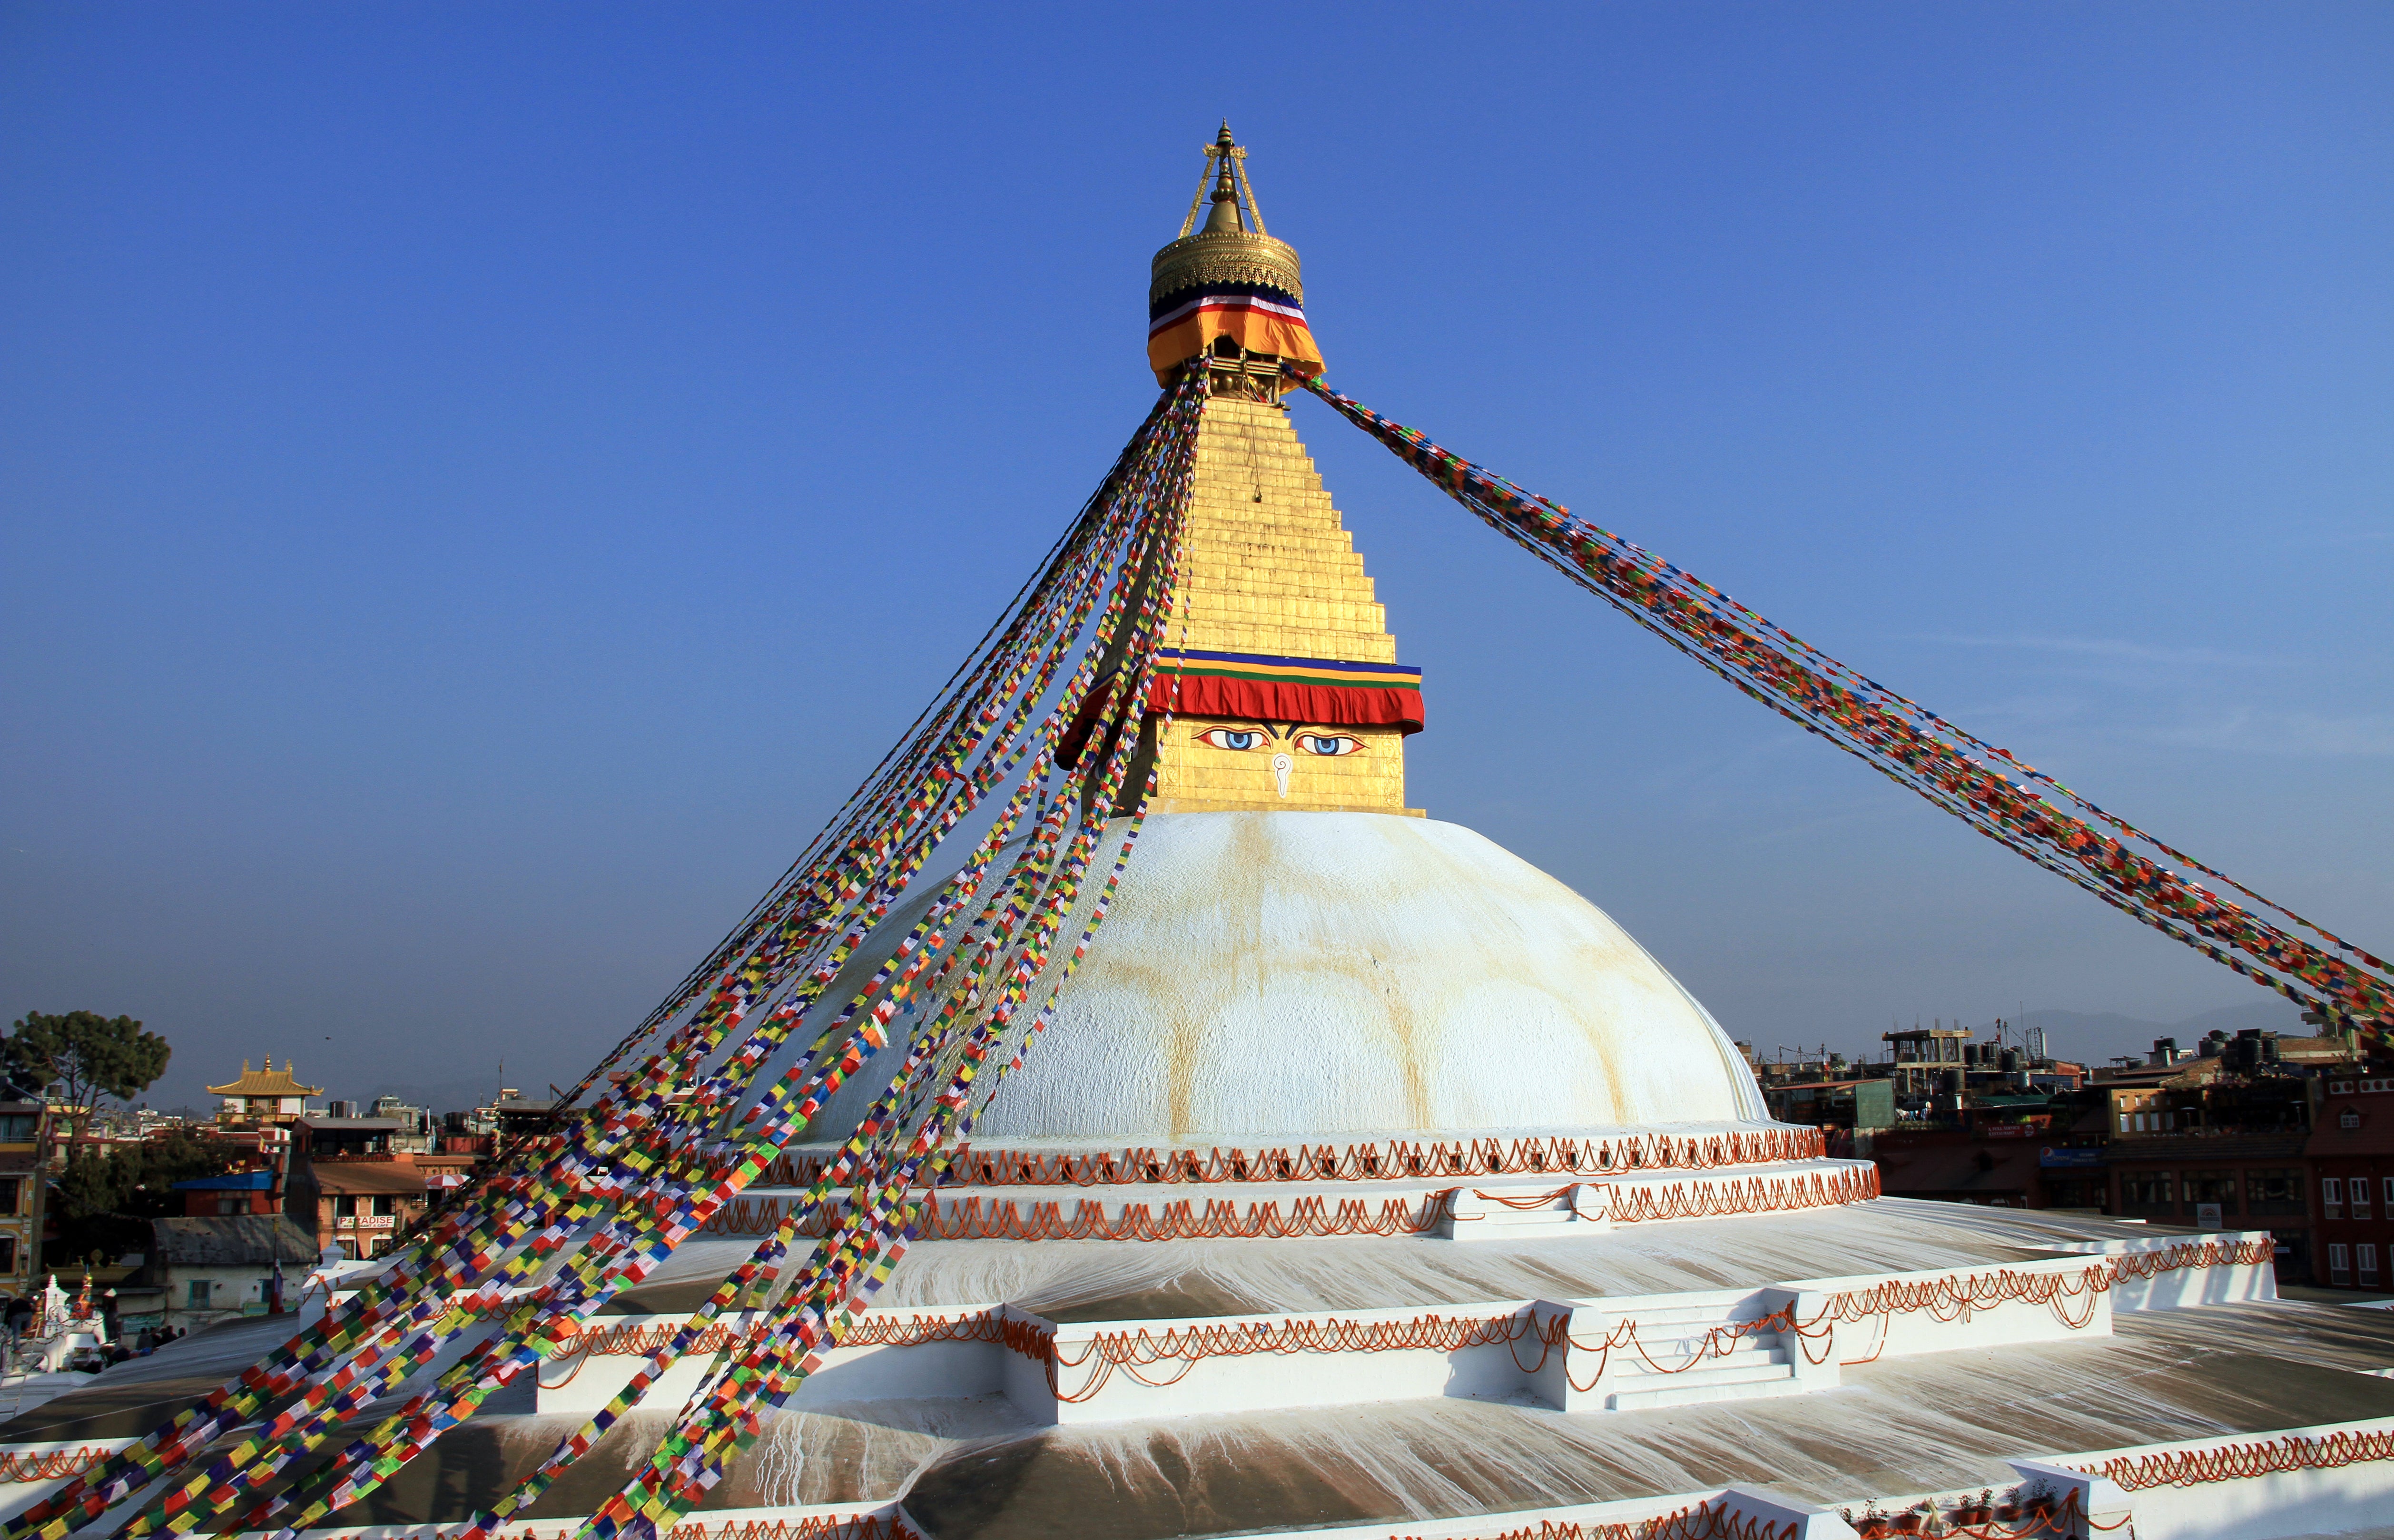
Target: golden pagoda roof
{"type": "Point", "coordinates": [269, 1081]}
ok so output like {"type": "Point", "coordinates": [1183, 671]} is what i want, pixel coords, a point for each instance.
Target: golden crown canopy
{"type": "Point", "coordinates": [1231, 247]}
{"type": "Point", "coordinates": [1228, 291]}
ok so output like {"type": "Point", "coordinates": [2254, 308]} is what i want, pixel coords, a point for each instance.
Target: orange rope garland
{"type": "Point", "coordinates": [2243, 1462]}
{"type": "Point", "coordinates": [979, 1218]}
{"type": "Point", "coordinates": [2192, 1254]}
{"type": "Point", "coordinates": [2059, 1518]}
{"type": "Point", "coordinates": [1705, 1522]}
{"type": "Point", "coordinates": [1391, 1160]}
{"type": "Point", "coordinates": [1950, 1298]}
{"type": "Point", "coordinates": [633, 1340]}
{"type": "Point", "coordinates": [1134, 1353]}
{"type": "Point", "coordinates": [1854, 1184]}
{"type": "Point", "coordinates": [1955, 1298]}
{"type": "Point", "coordinates": [1719, 1342]}
{"type": "Point", "coordinates": [48, 1466]}
{"type": "Point", "coordinates": [864, 1527]}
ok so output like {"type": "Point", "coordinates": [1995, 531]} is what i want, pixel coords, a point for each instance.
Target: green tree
{"type": "Point", "coordinates": [139, 1180]}
{"type": "Point", "coordinates": [104, 1203]}
{"type": "Point", "coordinates": [84, 1056]}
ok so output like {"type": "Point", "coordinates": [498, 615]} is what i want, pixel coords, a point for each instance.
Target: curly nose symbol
{"type": "Point", "coordinates": [1281, 765]}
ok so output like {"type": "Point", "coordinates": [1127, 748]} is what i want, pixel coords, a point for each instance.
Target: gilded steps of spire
{"type": "Point", "coordinates": [1267, 570]}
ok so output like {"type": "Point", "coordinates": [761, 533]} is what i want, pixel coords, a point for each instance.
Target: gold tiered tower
{"type": "Point", "coordinates": [1269, 576]}
{"type": "Point", "coordinates": [1267, 569]}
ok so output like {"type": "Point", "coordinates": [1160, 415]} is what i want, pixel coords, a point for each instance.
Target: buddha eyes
{"type": "Point", "coordinates": [1239, 740]}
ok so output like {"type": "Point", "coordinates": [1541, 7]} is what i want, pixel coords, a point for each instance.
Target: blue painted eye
{"type": "Point", "coordinates": [1324, 744]}
{"type": "Point", "coordinates": [1231, 738]}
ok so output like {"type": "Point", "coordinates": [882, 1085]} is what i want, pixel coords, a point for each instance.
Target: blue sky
{"type": "Point", "coordinates": [479, 484]}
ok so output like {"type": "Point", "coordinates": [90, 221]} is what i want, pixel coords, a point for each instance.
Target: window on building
{"type": "Point", "coordinates": [8, 1194]}
{"type": "Point", "coordinates": [2340, 1263]}
{"type": "Point", "coordinates": [195, 1296]}
{"type": "Point", "coordinates": [2389, 1197]}
{"type": "Point", "coordinates": [8, 1254]}
{"type": "Point", "coordinates": [2332, 1194]}
{"type": "Point", "coordinates": [2360, 1195]}
{"type": "Point", "coordinates": [19, 1127]}
{"type": "Point", "coordinates": [2274, 1191]}
{"type": "Point", "coordinates": [2212, 1187]}
{"type": "Point", "coordinates": [2349, 1118]}
{"type": "Point", "coordinates": [346, 1205]}
{"type": "Point", "coordinates": [2147, 1192]}
{"type": "Point", "coordinates": [385, 1204]}
{"type": "Point", "coordinates": [2077, 1192]}
{"type": "Point", "coordinates": [2368, 1259]}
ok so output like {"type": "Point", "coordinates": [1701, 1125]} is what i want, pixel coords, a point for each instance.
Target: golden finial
{"type": "Point", "coordinates": [1232, 245]}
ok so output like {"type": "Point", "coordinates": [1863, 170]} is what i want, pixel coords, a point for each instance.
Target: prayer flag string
{"type": "Point", "coordinates": [743, 1057]}
{"type": "Point", "coordinates": [1987, 787]}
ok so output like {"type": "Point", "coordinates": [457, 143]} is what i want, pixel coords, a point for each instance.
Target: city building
{"type": "Point", "coordinates": [216, 1269]}
{"type": "Point", "coordinates": [1853, 1105]}
{"type": "Point", "coordinates": [232, 1193]}
{"type": "Point", "coordinates": [24, 1189]}
{"type": "Point", "coordinates": [360, 1205]}
{"type": "Point", "coordinates": [262, 1096]}
{"type": "Point", "coordinates": [2350, 1155]}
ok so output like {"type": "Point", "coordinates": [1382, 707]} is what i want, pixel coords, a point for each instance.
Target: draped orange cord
{"type": "Point", "coordinates": [997, 1219]}
{"type": "Point", "coordinates": [1952, 1298]}
{"type": "Point", "coordinates": [1719, 1342]}
{"type": "Point", "coordinates": [1704, 1521]}
{"type": "Point", "coordinates": [2195, 1253]}
{"type": "Point", "coordinates": [819, 1527]}
{"type": "Point", "coordinates": [1534, 1200]}
{"type": "Point", "coordinates": [1134, 1353]}
{"type": "Point", "coordinates": [635, 1340]}
{"type": "Point", "coordinates": [1853, 1184]}
{"type": "Point", "coordinates": [2060, 1518]}
{"type": "Point", "coordinates": [1947, 1298]}
{"type": "Point", "coordinates": [1393, 1160]}
{"type": "Point", "coordinates": [2244, 1461]}
{"type": "Point", "coordinates": [50, 1465]}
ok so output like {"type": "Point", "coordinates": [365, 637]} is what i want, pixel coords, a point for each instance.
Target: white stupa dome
{"type": "Point", "coordinates": [1267, 977]}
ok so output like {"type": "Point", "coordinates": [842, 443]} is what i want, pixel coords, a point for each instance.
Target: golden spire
{"type": "Point", "coordinates": [1230, 279]}
{"type": "Point", "coordinates": [1281, 675]}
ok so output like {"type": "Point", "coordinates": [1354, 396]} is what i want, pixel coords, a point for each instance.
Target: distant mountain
{"type": "Point", "coordinates": [2097, 1038]}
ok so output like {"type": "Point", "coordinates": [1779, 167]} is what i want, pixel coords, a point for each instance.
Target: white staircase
{"type": "Point", "coordinates": [1695, 1349]}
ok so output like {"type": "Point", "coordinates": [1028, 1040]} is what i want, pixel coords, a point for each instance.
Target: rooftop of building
{"type": "Point", "coordinates": [2203, 1145]}
{"type": "Point", "coordinates": [383, 1177]}
{"type": "Point", "coordinates": [230, 1182]}
{"type": "Point", "coordinates": [233, 1241]}
{"type": "Point", "coordinates": [269, 1081]}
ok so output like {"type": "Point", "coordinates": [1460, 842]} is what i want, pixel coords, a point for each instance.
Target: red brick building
{"type": "Point", "coordinates": [2351, 1159]}
{"type": "Point", "coordinates": [2226, 1181]}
